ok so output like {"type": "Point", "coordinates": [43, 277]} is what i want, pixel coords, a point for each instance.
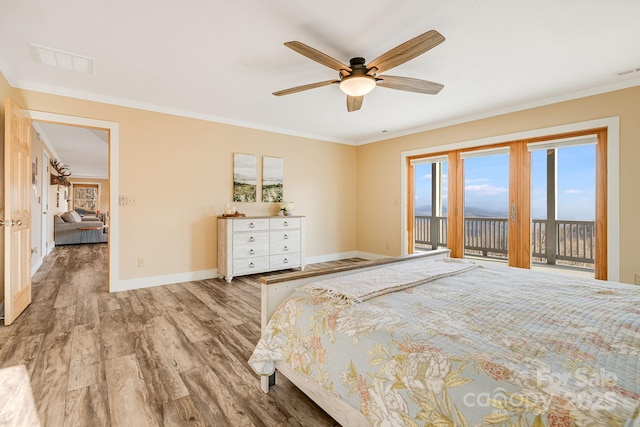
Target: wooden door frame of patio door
{"type": "Point", "coordinates": [607, 196]}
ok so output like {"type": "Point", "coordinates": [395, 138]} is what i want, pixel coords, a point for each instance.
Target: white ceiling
{"type": "Point", "coordinates": [84, 150]}
{"type": "Point", "coordinates": [222, 60]}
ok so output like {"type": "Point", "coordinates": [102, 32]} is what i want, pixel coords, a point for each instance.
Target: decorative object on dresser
{"type": "Point", "coordinates": [259, 244]}
{"type": "Point", "coordinates": [286, 208]}
{"type": "Point", "coordinates": [232, 211]}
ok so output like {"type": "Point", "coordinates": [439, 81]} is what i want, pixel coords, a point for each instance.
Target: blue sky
{"type": "Point", "coordinates": [487, 183]}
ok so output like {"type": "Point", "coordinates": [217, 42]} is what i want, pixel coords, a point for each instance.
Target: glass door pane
{"type": "Point", "coordinates": [486, 206]}
{"type": "Point", "coordinates": [563, 206]}
{"type": "Point", "coordinates": [430, 206]}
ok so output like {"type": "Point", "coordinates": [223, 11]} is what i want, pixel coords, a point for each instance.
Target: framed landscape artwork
{"type": "Point", "coordinates": [244, 177]}
{"type": "Point", "coordinates": [272, 179]}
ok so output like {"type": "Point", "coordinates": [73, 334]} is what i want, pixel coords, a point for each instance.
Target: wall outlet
{"type": "Point", "coordinates": [123, 200]}
{"type": "Point", "coordinates": [132, 200]}
{"type": "Point", "coordinates": [140, 262]}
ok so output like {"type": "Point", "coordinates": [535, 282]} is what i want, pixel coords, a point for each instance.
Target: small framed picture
{"type": "Point", "coordinates": [244, 177]}
{"type": "Point", "coordinates": [272, 179]}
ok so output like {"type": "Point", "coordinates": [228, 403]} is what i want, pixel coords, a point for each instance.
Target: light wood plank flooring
{"type": "Point", "coordinates": [171, 355]}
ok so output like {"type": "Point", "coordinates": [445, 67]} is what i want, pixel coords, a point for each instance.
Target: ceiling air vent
{"type": "Point", "coordinates": [627, 72]}
{"type": "Point", "coordinates": [64, 60]}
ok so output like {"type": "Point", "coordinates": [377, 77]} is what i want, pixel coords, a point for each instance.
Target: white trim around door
{"type": "Point", "coordinates": [114, 145]}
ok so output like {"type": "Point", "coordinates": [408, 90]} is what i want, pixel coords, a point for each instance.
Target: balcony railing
{"type": "Point", "coordinates": [574, 240]}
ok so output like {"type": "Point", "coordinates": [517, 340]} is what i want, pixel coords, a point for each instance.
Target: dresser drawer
{"type": "Point", "coordinates": [282, 242]}
{"type": "Point", "coordinates": [283, 261]}
{"type": "Point", "coordinates": [284, 223]}
{"type": "Point", "coordinates": [250, 265]}
{"type": "Point", "coordinates": [251, 224]}
{"type": "Point", "coordinates": [250, 244]}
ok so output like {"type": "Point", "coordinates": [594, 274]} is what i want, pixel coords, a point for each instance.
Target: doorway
{"type": "Point", "coordinates": [112, 129]}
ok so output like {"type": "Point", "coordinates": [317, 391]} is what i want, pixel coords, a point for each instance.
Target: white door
{"type": "Point", "coordinates": [45, 205]}
{"type": "Point", "coordinates": [15, 217]}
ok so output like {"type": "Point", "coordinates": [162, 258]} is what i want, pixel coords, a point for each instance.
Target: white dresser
{"type": "Point", "coordinates": [249, 245]}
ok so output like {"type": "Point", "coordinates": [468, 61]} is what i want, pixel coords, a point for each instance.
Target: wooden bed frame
{"type": "Point", "coordinates": [276, 288]}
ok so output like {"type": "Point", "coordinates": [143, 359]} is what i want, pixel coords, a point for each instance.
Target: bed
{"type": "Point", "coordinates": [430, 340]}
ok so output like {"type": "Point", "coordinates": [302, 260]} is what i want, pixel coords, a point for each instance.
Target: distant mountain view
{"type": "Point", "coordinates": [469, 211]}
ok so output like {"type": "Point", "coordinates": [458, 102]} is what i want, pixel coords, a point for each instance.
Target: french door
{"type": "Point", "coordinates": [487, 207]}
{"type": "Point", "coordinates": [516, 243]}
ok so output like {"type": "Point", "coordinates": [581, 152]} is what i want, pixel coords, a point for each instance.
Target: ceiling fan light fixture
{"type": "Point", "coordinates": [357, 85]}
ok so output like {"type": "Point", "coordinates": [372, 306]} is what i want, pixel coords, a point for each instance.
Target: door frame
{"type": "Point", "coordinates": [44, 229]}
{"type": "Point", "coordinates": [114, 145]}
{"type": "Point", "coordinates": [612, 124]}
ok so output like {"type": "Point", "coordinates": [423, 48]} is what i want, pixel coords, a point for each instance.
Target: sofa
{"type": "Point", "coordinates": [70, 228]}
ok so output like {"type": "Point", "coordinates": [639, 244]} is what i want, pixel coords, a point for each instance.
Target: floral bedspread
{"type": "Point", "coordinates": [493, 346]}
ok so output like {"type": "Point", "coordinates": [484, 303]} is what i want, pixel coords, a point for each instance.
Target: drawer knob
{"type": "Point", "coordinates": [286, 261]}
{"type": "Point", "coordinates": [286, 224]}
{"type": "Point", "coordinates": [252, 225]}
{"type": "Point", "coordinates": [252, 239]}
{"type": "Point", "coordinates": [286, 248]}
{"type": "Point", "coordinates": [252, 252]}
{"type": "Point", "coordinates": [251, 265]}
{"type": "Point", "coordinates": [286, 237]}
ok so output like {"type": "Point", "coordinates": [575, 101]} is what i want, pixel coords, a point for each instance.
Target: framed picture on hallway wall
{"type": "Point", "coordinates": [245, 177]}
{"type": "Point", "coordinates": [85, 196]}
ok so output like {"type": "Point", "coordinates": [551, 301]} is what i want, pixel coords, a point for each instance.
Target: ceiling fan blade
{"type": "Point", "coordinates": [354, 103]}
{"type": "Point", "coordinates": [304, 87]}
{"type": "Point", "coordinates": [406, 51]}
{"type": "Point", "coordinates": [409, 84]}
{"type": "Point", "coordinates": [317, 56]}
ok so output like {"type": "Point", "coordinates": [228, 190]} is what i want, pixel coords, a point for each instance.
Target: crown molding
{"type": "Point", "coordinates": [512, 109]}
{"type": "Point", "coordinates": [129, 103]}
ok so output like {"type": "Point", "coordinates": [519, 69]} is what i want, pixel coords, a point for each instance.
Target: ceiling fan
{"type": "Point", "coordinates": [358, 79]}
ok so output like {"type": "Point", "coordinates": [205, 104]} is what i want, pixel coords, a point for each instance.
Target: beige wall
{"type": "Point", "coordinates": [180, 171]}
{"type": "Point", "coordinates": [379, 181]}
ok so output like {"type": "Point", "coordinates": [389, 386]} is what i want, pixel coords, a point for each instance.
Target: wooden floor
{"type": "Point", "coordinates": [172, 355]}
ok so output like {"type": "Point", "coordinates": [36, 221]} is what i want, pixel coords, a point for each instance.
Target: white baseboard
{"type": "Point", "coordinates": [148, 282]}
{"type": "Point", "coordinates": [36, 266]}
{"type": "Point", "coordinates": [371, 256]}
